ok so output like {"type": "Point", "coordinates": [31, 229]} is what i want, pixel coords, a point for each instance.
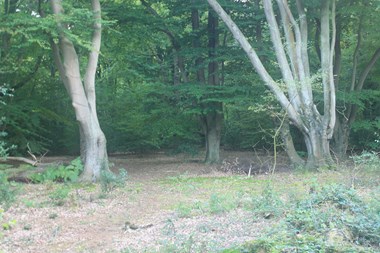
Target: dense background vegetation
{"type": "Point", "coordinates": [147, 93]}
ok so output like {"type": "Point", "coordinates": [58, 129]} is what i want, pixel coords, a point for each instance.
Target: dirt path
{"type": "Point", "coordinates": [88, 222]}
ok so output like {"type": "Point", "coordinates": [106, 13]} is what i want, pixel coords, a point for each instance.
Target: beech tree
{"type": "Point", "coordinates": [92, 140]}
{"type": "Point", "coordinates": [295, 91]}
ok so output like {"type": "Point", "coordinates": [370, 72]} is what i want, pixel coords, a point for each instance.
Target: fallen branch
{"type": "Point", "coordinates": [22, 159]}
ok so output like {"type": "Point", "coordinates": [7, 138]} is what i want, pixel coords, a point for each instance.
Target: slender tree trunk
{"type": "Point", "coordinates": [82, 94]}
{"type": "Point", "coordinates": [213, 120]}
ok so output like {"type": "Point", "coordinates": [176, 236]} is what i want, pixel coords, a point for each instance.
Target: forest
{"type": "Point", "coordinates": [247, 112]}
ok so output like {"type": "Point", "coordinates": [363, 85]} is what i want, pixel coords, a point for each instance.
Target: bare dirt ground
{"type": "Point", "coordinates": [89, 221]}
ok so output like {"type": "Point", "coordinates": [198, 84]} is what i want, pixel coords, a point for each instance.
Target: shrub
{"type": "Point", "coordinates": [69, 173]}
{"type": "Point", "coordinates": [367, 160]}
{"type": "Point", "coordinates": [268, 204]}
{"type": "Point", "coordinates": [332, 219]}
{"type": "Point", "coordinates": [59, 195]}
{"type": "Point", "coordinates": [110, 181]}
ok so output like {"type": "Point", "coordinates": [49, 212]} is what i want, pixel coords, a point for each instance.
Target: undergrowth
{"type": "Point", "coordinates": [331, 219]}
{"type": "Point", "coordinates": [7, 191]}
{"type": "Point", "coordinates": [61, 173]}
{"type": "Point", "coordinates": [109, 181]}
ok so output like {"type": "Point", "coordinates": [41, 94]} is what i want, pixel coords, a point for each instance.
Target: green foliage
{"type": "Point", "coordinates": [109, 181]}
{"type": "Point", "coordinates": [332, 219]}
{"type": "Point", "coordinates": [69, 173]}
{"type": "Point", "coordinates": [187, 149]}
{"type": "Point", "coordinates": [220, 204]}
{"type": "Point", "coordinates": [368, 161]}
{"type": "Point", "coordinates": [216, 204]}
{"type": "Point", "coordinates": [4, 148]}
{"type": "Point", "coordinates": [184, 210]}
{"type": "Point", "coordinates": [8, 225]}
{"type": "Point", "coordinates": [7, 193]}
{"type": "Point", "coordinates": [366, 134]}
{"type": "Point", "coordinates": [150, 123]}
{"type": "Point", "coordinates": [267, 204]}
{"type": "Point", "coordinates": [59, 195]}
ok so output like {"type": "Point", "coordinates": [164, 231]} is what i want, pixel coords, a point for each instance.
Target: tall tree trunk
{"type": "Point", "coordinates": [82, 94]}
{"type": "Point", "coordinates": [213, 120]}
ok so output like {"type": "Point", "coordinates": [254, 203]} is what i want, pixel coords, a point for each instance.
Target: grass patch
{"type": "Point", "coordinates": [7, 191]}
{"type": "Point", "coordinates": [60, 195]}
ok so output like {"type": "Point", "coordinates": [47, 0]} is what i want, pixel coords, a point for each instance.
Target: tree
{"type": "Point", "coordinates": [361, 27]}
{"type": "Point", "coordinates": [212, 115]}
{"type": "Point", "coordinates": [195, 63]}
{"type": "Point", "coordinates": [92, 140]}
{"type": "Point", "coordinates": [293, 61]}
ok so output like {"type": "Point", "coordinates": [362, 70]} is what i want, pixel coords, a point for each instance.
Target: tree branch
{"type": "Point", "coordinates": [362, 79]}
{"type": "Point", "coordinates": [30, 75]}
{"type": "Point", "coordinates": [301, 41]}
{"type": "Point", "coordinates": [332, 119]}
{"type": "Point", "coordinates": [280, 53]}
{"type": "Point", "coordinates": [356, 54]}
{"type": "Point", "coordinates": [89, 78]}
{"type": "Point", "coordinates": [257, 64]}
{"type": "Point", "coordinates": [327, 49]}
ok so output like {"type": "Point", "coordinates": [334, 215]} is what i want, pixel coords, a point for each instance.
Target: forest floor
{"type": "Point", "coordinates": [168, 204]}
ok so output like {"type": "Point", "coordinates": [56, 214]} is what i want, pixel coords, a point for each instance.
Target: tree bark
{"type": "Point", "coordinates": [82, 94]}
{"type": "Point", "coordinates": [318, 148]}
{"type": "Point", "coordinates": [213, 119]}
{"type": "Point", "coordinates": [213, 128]}
{"type": "Point", "coordinates": [289, 148]}
{"type": "Point", "coordinates": [294, 66]}
{"type": "Point", "coordinates": [341, 139]}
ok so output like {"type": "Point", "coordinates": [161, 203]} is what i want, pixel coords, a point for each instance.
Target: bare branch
{"type": "Point", "coordinates": [89, 77]}
{"type": "Point", "coordinates": [356, 54]}
{"type": "Point", "coordinates": [327, 49]}
{"type": "Point", "coordinates": [332, 98]}
{"type": "Point", "coordinates": [301, 52]}
{"type": "Point", "coordinates": [280, 53]}
{"type": "Point", "coordinates": [256, 62]}
{"type": "Point", "coordinates": [367, 69]}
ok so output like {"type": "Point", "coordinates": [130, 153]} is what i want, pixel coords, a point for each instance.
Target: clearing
{"type": "Point", "coordinates": [168, 204]}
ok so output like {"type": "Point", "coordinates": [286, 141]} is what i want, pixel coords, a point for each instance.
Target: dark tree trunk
{"type": "Point", "coordinates": [213, 119]}
{"type": "Point", "coordinates": [213, 123]}
{"type": "Point", "coordinates": [340, 138]}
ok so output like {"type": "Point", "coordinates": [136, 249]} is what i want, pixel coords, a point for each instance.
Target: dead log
{"type": "Point", "coordinates": [22, 159]}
